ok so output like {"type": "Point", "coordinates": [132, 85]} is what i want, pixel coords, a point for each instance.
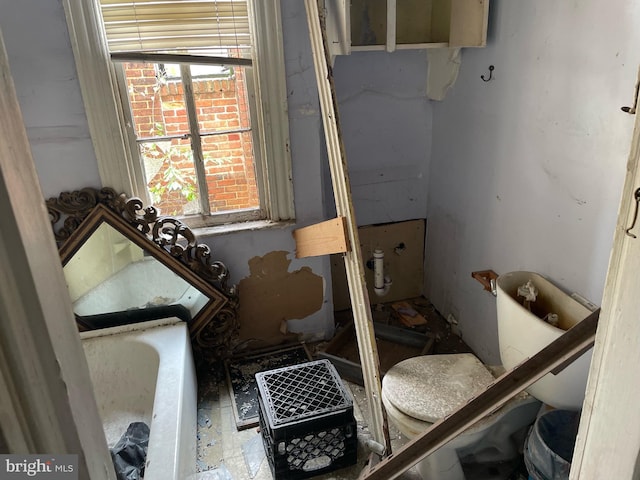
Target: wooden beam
{"type": "Point", "coordinates": [354, 267]}
{"type": "Point", "coordinates": [322, 238]}
{"type": "Point", "coordinates": [578, 338]}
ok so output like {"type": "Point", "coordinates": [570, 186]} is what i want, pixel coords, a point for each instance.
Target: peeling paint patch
{"type": "Point", "coordinates": [271, 295]}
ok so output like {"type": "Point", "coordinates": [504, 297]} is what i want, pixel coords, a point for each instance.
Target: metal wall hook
{"type": "Point", "coordinates": [636, 197]}
{"type": "Point", "coordinates": [632, 110]}
{"type": "Point", "coordinates": [491, 69]}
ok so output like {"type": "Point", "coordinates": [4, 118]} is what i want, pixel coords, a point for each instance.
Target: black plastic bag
{"type": "Point", "coordinates": [130, 453]}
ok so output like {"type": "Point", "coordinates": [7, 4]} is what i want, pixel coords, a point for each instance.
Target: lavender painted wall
{"type": "Point", "coordinates": [527, 169]}
{"type": "Point", "coordinates": [43, 68]}
{"type": "Point", "coordinates": [386, 126]}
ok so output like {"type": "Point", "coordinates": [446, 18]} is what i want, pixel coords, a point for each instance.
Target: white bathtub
{"type": "Point", "coordinates": [145, 372]}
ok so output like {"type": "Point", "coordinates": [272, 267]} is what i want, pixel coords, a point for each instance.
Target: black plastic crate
{"type": "Point", "coordinates": [306, 420]}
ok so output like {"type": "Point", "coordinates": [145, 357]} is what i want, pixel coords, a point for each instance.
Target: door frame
{"type": "Point", "coordinates": [46, 396]}
{"type": "Point", "coordinates": [608, 442]}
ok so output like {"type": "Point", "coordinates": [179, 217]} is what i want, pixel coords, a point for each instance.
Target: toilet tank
{"type": "Point", "coordinates": [522, 333]}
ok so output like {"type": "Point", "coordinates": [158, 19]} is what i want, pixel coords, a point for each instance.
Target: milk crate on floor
{"type": "Point", "coordinates": [306, 420]}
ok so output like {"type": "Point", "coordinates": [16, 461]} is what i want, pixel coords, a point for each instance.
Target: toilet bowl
{"type": "Point", "coordinates": [422, 390]}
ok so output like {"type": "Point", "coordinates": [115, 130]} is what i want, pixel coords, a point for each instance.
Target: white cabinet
{"type": "Point", "coordinates": [357, 25]}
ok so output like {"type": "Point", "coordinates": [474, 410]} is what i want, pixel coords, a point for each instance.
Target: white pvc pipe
{"type": "Point", "coordinates": [378, 268]}
{"type": "Point", "coordinates": [381, 282]}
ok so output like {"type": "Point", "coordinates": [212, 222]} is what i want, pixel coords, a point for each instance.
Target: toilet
{"type": "Point", "coordinates": [420, 391]}
{"type": "Point", "coordinates": [566, 389]}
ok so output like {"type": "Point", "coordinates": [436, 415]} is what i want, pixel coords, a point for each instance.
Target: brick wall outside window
{"type": "Point", "coordinates": [158, 109]}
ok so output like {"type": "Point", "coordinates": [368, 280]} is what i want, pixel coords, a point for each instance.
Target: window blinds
{"type": "Point", "coordinates": [218, 26]}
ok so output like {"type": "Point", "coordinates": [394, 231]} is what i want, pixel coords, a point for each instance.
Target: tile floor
{"type": "Point", "coordinates": [224, 453]}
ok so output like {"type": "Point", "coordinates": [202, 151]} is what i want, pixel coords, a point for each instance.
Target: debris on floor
{"type": "Point", "coordinates": [253, 453]}
{"type": "Point", "coordinates": [220, 473]}
{"type": "Point", "coordinates": [408, 315]}
{"type": "Point", "coordinates": [226, 453]}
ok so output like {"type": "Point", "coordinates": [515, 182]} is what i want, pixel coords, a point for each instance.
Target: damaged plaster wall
{"type": "Point", "coordinates": [527, 169]}
{"type": "Point", "coordinates": [275, 297]}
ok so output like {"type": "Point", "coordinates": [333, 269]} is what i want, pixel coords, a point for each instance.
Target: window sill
{"type": "Point", "coordinates": [230, 228]}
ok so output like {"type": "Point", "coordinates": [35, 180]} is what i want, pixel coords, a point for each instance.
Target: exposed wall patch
{"type": "Point", "coordinates": [271, 295]}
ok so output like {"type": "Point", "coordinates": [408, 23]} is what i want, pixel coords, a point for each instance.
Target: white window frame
{"type": "Point", "coordinates": [119, 164]}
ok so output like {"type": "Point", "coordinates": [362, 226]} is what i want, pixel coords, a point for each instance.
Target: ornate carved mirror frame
{"type": "Point", "coordinates": [75, 216]}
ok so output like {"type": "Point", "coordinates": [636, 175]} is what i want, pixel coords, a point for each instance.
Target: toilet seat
{"type": "Point", "coordinates": [430, 387]}
{"type": "Point", "coordinates": [420, 391]}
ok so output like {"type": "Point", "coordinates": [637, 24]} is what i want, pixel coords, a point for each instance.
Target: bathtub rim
{"type": "Point", "coordinates": [130, 327]}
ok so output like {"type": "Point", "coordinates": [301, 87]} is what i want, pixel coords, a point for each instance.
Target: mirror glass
{"type": "Point", "coordinates": [116, 275]}
{"type": "Point", "coordinates": [109, 273]}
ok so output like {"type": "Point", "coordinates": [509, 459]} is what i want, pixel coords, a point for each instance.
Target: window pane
{"type": "Point", "coordinates": [231, 173]}
{"type": "Point", "coordinates": [222, 108]}
{"type": "Point", "coordinates": [156, 100]}
{"type": "Point", "coordinates": [171, 176]}
{"type": "Point", "coordinates": [221, 99]}
{"type": "Point", "coordinates": [160, 116]}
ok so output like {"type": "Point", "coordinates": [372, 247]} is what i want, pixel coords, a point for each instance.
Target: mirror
{"type": "Point", "coordinates": [124, 264]}
{"type": "Point", "coordinates": [112, 281]}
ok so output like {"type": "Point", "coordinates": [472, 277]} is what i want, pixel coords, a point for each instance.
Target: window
{"type": "Point", "coordinates": [186, 103]}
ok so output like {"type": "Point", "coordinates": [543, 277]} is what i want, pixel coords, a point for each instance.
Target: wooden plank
{"type": "Point", "coordinates": [469, 20]}
{"type": "Point", "coordinates": [497, 394]}
{"type": "Point", "coordinates": [391, 25]}
{"type": "Point", "coordinates": [322, 238]}
{"type": "Point", "coordinates": [344, 207]}
{"type": "Point", "coordinates": [408, 315]}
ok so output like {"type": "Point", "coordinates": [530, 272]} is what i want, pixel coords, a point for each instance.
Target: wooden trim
{"type": "Point", "coordinates": [322, 238]}
{"type": "Point", "coordinates": [576, 339]}
{"type": "Point", "coordinates": [392, 25]}
{"type": "Point", "coordinates": [273, 120]}
{"type": "Point", "coordinates": [354, 267]}
{"type": "Point", "coordinates": [196, 141]}
{"type": "Point", "coordinates": [98, 84]}
{"type": "Point", "coordinates": [399, 46]}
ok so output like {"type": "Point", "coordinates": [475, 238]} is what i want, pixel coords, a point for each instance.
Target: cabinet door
{"type": "Point", "coordinates": [469, 19]}
{"type": "Point", "coordinates": [338, 27]}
